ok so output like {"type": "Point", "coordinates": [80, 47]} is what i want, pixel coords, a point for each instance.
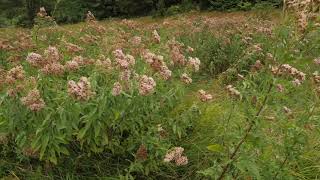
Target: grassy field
{"type": "Point", "coordinates": [258, 118]}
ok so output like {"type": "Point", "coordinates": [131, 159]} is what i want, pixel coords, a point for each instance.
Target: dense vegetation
{"type": "Point", "coordinates": [22, 12]}
{"type": "Point", "coordinates": [198, 95]}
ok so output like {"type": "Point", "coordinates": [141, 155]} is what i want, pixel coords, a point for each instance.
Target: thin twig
{"type": "Point", "coordinates": [244, 138]}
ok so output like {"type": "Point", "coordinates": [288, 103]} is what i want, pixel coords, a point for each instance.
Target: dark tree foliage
{"type": "Point", "coordinates": [22, 12]}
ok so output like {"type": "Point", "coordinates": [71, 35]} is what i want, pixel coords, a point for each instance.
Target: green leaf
{"type": "Point", "coordinates": [97, 129]}
{"type": "Point", "coordinates": [44, 145]}
{"type": "Point", "coordinates": [53, 158]}
{"type": "Point", "coordinates": [215, 148]}
{"type": "Point", "coordinates": [64, 150]}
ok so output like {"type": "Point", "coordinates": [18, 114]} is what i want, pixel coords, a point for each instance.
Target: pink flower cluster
{"type": "Point", "coordinates": [81, 90]}
{"type": "Point", "coordinates": [156, 36]}
{"type": "Point", "coordinates": [286, 69]}
{"type": "Point", "coordinates": [89, 39]}
{"type": "Point", "coordinates": [136, 40]}
{"type": "Point", "coordinates": [104, 63]}
{"type": "Point", "coordinates": [317, 61]}
{"type": "Point", "coordinates": [90, 17]}
{"type": "Point", "coordinates": [15, 74]}
{"type": "Point", "coordinates": [280, 88]}
{"type": "Point", "coordinates": [176, 49]}
{"type": "Point", "coordinates": [194, 63]}
{"type": "Point", "coordinates": [146, 85]}
{"type": "Point", "coordinates": [52, 55]}
{"type": "Point", "coordinates": [42, 12]}
{"type": "Point", "coordinates": [157, 64]}
{"type": "Point", "coordinates": [257, 66]}
{"type": "Point", "coordinates": [35, 60]}
{"type": "Point", "coordinates": [124, 61]}
{"type": "Point", "coordinates": [53, 68]}
{"type": "Point", "coordinates": [117, 89]}
{"type": "Point", "coordinates": [176, 155]}
{"type": "Point", "coordinates": [233, 91]}
{"type": "Point", "coordinates": [72, 65]}
{"type": "Point", "coordinates": [185, 78]}
{"type": "Point", "coordinates": [73, 48]}
{"type": "Point", "coordinates": [33, 100]}
{"type": "Point", "coordinates": [316, 78]}
{"type": "Point", "coordinates": [49, 64]}
{"type": "Point", "coordinates": [5, 45]}
{"type": "Point", "coordinates": [204, 96]}
{"type": "Point", "coordinates": [190, 49]}
{"type": "Point", "coordinates": [177, 57]}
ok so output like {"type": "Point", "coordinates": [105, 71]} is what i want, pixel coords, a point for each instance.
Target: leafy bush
{"type": "Point", "coordinates": [65, 95]}
{"type": "Point", "coordinates": [69, 11]}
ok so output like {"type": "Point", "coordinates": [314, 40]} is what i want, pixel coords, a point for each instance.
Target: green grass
{"type": "Point", "coordinates": [282, 147]}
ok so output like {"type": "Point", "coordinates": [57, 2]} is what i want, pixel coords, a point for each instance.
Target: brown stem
{"type": "Point", "coordinates": [282, 165]}
{"type": "Point", "coordinates": [244, 138]}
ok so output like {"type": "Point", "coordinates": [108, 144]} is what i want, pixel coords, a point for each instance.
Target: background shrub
{"type": "Point", "coordinates": [22, 12]}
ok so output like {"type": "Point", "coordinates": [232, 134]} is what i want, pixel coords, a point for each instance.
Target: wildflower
{"type": "Point", "coordinates": [125, 75]}
{"type": "Point", "coordinates": [280, 88]}
{"type": "Point", "coordinates": [177, 57]}
{"type": "Point", "coordinates": [72, 48]}
{"type": "Point", "coordinates": [287, 110]}
{"type": "Point", "coordinates": [72, 65]}
{"type": "Point", "coordinates": [122, 60]}
{"type": "Point", "coordinates": [194, 63]}
{"type": "Point", "coordinates": [156, 36]}
{"type": "Point", "coordinates": [165, 72]}
{"type": "Point", "coordinates": [316, 77]}
{"type": "Point", "coordinates": [12, 92]}
{"type": "Point", "coordinates": [317, 61]}
{"type": "Point", "coordinates": [136, 40]}
{"type": "Point", "coordinates": [142, 153]}
{"type": "Point", "coordinates": [118, 53]}
{"type": "Point", "coordinates": [104, 64]}
{"type": "Point", "coordinates": [157, 64]}
{"type": "Point", "coordinates": [155, 61]}
{"type": "Point", "coordinates": [51, 54]}
{"type": "Point", "coordinates": [296, 82]}
{"type": "Point", "coordinates": [186, 79]}
{"type": "Point", "coordinates": [89, 39]}
{"type": "Point", "coordinates": [81, 90]}
{"type": "Point", "coordinates": [257, 66]}
{"type": "Point", "coordinates": [275, 70]}
{"type": "Point", "coordinates": [232, 91]}
{"type": "Point", "coordinates": [290, 71]}
{"type": "Point", "coordinates": [146, 85]}
{"type": "Point", "coordinates": [33, 100]}
{"type": "Point", "coordinates": [161, 131]}
{"type": "Point", "coordinates": [90, 17]}
{"type": "Point", "coordinates": [14, 74]}
{"type": "Point", "coordinates": [318, 90]}
{"type": "Point", "coordinates": [32, 81]}
{"type": "Point", "coordinates": [35, 59]}
{"type": "Point", "coordinates": [173, 154]}
{"type": "Point", "coordinates": [190, 49]}
{"type": "Point", "coordinates": [270, 57]}
{"type": "Point", "coordinates": [117, 89]}
{"type": "Point", "coordinates": [204, 96]}
{"type": "Point", "coordinates": [257, 48]}
{"type": "Point", "coordinates": [42, 13]}
{"type": "Point", "coordinates": [79, 60]}
{"type": "Point", "coordinates": [181, 161]}
{"type": "Point", "coordinates": [176, 155]}
{"type": "Point", "coordinates": [53, 68]}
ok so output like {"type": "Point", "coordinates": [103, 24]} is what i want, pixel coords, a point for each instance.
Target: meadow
{"type": "Point", "coordinates": [198, 95]}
